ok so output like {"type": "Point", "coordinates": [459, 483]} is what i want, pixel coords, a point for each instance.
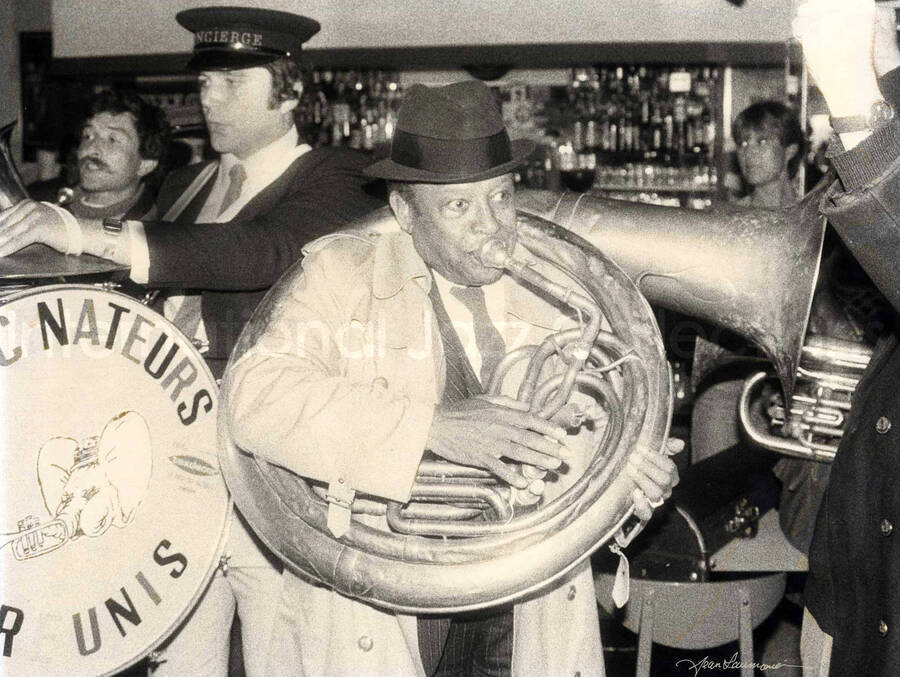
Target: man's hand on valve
{"type": "Point", "coordinates": [29, 222]}
{"type": "Point", "coordinates": [655, 475]}
{"type": "Point", "coordinates": [479, 431]}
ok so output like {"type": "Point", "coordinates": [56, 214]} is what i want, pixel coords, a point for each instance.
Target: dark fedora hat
{"type": "Point", "coordinates": [230, 38]}
{"type": "Point", "coordinates": [450, 134]}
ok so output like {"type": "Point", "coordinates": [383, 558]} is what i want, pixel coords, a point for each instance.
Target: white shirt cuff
{"type": "Point", "coordinates": [74, 234]}
{"type": "Point", "coordinates": [140, 252]}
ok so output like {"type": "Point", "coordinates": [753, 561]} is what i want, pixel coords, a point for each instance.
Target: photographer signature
{"type": "Point", "coordinates": [733, 663]}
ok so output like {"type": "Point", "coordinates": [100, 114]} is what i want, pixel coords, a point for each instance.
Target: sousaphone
{"type": "Point", "coordinates": [466, 540]}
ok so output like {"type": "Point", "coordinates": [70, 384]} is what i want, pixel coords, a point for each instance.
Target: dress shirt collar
{"type": "Point", "coordinates": [397, 263]}
{"type": "Point", "coordinates": [494, 298]}
{"type": "Point", "coordinates": [262, 168]}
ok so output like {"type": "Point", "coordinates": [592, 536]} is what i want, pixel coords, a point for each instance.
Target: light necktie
{"type": "Point", "coordinates": [236, 176]}
{"type": "Point", "coordinates": [487, 339]}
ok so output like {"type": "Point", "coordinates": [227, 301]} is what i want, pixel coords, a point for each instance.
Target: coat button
{"type": "Point", "coordinates": [882, 425]}
{"type": "Point", "coordinates": [882, 628]}
{"type": "Point", "coordinates": [570, 595]}
{"type": "Point", "coordinates": [886, 527]}
{"type": "Point", "coordinates": [366, 643]}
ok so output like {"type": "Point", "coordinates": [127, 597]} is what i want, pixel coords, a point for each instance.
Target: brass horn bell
{"type": "Point", "coordinates": [750, 271]}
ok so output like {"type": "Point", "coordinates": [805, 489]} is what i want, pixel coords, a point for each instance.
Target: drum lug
{"type": "Point", "coordinates": [223, 564]}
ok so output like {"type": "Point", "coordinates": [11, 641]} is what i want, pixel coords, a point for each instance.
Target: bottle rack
{"type": "Point", "coordinates": [639, 131]}
{"type": "Point", "coordinates": [644, 129]}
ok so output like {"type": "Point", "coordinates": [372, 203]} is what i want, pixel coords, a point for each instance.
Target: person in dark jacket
{"type": "Point", "coordinates": [853, 607]}
{"type": "Point", "coordinates": [224, 233]}
{"type": "Point", "coordinates": [290, 193]}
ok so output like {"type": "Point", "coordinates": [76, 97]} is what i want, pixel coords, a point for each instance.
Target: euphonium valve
{"type": "Point", "coordinates": [466, 540]}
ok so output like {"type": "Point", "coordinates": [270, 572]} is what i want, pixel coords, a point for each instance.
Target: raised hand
{"type": "Point", "coordinates": [837, 38]}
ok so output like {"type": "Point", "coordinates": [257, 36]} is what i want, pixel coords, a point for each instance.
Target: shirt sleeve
{"type": "Point", "coordinates": [140, 252]}
{"type": "Point", "coordinates": [867, 161]}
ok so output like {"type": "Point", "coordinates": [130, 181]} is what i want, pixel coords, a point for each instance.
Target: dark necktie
{"type": "Point", "coordinates": [236, 176]}
{"type": "Point", "coordinates": [487, 339]}
{"type": "Point", "coordinates": [461, 382]}
{"type": "Point", "coordinates": [446, 651]}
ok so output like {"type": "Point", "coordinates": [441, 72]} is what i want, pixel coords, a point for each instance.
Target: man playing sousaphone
{"type": "Point", "coordinates": [308, 396]}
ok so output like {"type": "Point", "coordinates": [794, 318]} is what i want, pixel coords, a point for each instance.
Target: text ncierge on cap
{"type": "Point", "coordinates": [222, 36]}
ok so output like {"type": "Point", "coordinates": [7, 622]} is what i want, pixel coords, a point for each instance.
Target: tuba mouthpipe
{"type": "Point", "coordinates": [493, 254]}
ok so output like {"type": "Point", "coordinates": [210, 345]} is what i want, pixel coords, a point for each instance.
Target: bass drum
{"type": "Point", "coordinates": [114, 511]}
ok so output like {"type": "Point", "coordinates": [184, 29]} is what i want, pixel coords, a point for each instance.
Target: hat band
{"type": "Point", "coordinates": [450, 156]}
{"type": "Point", "coordinates": [237, 47]}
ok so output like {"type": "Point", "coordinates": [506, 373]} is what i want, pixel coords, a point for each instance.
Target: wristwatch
{"type": "Point", "coordinates": [880, 112]}
{"type": "Point", "coordinates": [112, 229]}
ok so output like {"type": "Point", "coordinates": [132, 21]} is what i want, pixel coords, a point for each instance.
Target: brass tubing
{"type": "Point", "coordinates": [402, 525]}
{"type": "Point", "coordinates": [784, 445]}
{"type": "Point", "coordinates": [494, 254]}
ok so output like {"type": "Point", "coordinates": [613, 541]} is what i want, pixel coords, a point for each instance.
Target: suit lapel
{"type": "Point", "coordinates": [272, 194]}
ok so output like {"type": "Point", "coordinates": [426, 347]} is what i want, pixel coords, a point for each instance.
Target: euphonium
{"type": "Point", "coordinates": [751, 271]}
{"type": "Point", "coordinates": [830, 369]}
{"type": "Point", "coordinates": [12, 190]}
{"type": "Point", "coordinates": [466, 540]}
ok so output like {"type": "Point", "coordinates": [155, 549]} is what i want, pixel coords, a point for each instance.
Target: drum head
{"type": "Point", "coordinates": [112, 507]}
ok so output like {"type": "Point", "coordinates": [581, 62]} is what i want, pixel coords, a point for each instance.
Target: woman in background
{"type": "Point", "coordinates": [770, 146]}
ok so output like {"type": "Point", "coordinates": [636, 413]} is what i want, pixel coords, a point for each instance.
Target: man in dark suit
{"type": "Point", "coordinates": [853, 608]}
{"type": "Point", "coordinates": [227, 229]}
